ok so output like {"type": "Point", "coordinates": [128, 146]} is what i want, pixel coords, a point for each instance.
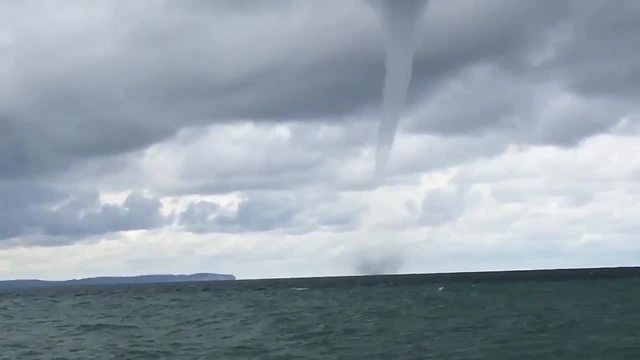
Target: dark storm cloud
{"type": "Point", "coordinates": [118, 77]}
{"type": "Point", "coordinates": [602, 58]}
{"type": "Point", "coordinates": [97, 79]}
{"type": "Point", "coordinates": [583, 48]}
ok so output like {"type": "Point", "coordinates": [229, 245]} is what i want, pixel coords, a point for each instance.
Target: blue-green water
{"type": "Point", "coordinates": [535, 316]}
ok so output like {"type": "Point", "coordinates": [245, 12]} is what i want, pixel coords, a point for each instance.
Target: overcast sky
{"type": "Point", "coordinates": [239, 137]}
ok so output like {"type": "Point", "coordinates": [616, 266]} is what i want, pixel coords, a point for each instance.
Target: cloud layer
{"type": "Point", "coordinates": [251, 126]}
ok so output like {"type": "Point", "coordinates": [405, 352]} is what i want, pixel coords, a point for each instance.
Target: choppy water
{"type": "Point", "coordinates": [539, 316]}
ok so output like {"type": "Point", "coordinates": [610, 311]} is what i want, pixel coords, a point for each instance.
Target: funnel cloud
{"type": "Point", "coordinates": [400, 21]}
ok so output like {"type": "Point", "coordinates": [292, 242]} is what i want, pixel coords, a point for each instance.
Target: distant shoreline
{"type": "Point", "coordinates": [117, 280]}
{"type": "Point", "coordinates": [462, 276]}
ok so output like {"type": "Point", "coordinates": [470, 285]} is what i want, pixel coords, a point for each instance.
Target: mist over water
{"type": "Point", "coordinates": [400, 20]}
{"type": "Point", "coordinates": [375, 259]}
{"type": "Point", "coordinates": [379, 266]}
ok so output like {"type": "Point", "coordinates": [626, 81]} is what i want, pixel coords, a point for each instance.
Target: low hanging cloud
{"type": "Point", "coordinates": [277, 211]}
{"type": "Point", "coordinates": [440, 206]}
{"type": "Point", "coordinates": [38, 211]}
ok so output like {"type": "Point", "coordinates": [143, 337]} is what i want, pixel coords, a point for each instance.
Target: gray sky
{"type": "Point", "coordinates": [239, 137]}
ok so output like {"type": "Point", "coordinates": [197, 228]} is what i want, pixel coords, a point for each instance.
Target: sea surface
{"type": "Point", "coordinates": [586, 314]}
